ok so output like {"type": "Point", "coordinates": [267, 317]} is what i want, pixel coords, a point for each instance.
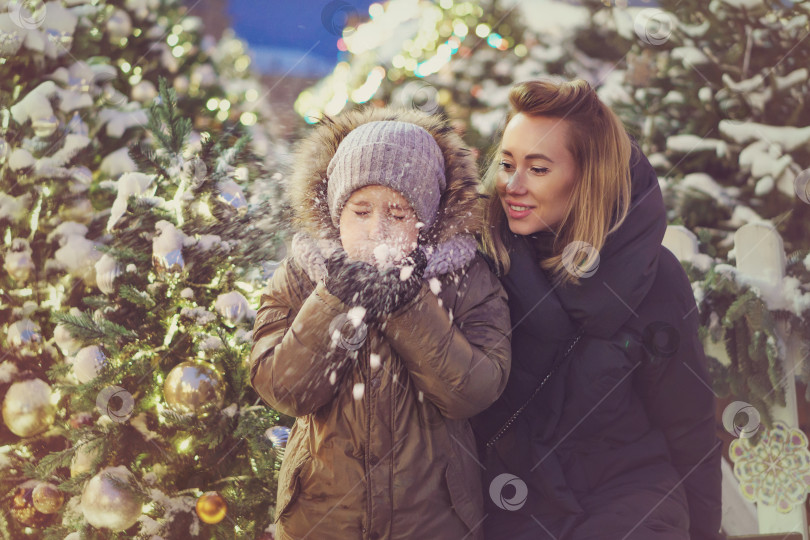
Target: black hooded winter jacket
{"type": "Point", "coordinates": [620, 443]}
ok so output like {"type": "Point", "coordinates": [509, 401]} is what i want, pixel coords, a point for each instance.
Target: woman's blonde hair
{"type": "Point", "coordinates": [600, 198]}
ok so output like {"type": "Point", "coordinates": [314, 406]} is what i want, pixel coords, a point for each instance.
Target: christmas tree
{"type": "Point", "coordinates": [401, 53]}
{"type": "Point", "coordinates": [724, 121]}
{"type": "Point", "coordinates": [457, 58]}
{"type": "Point", "coordinates": [138, 226]}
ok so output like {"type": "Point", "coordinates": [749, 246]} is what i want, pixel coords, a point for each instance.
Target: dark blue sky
{"type": "Point", "coordinates": [295, 26]}
{"type": "Point", "coordinates": [280, 32]}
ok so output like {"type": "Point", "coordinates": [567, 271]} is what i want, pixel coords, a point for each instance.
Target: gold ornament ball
{"type": "Point", "coordinates": [106, 504]}
{"type": "Point", "coordinates": [27, 408]}
{"type": "Point", "coordinates": [47, 498]}
{"type": "Point", "coordinates": [211, 507]}
{"type": "Point", "coordinates": [22, 506]}
{"type": "Point", "coordinates": [194, 387]}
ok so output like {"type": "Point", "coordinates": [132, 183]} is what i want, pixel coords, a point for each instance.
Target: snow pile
{"type": "Point", "coordinates": [788, 137]}
{"type": "Point", "coordinates": [77, 254]}
{"type": "Point", "coordinates": [691, 143]}
{"type": "Point", "coordinates": [786, 294]}
{"type": "Point", "coordinates": [130, 183]}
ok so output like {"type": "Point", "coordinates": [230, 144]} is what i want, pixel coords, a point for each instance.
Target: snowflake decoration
{"type": "Point", "coordinates": [776, 471]}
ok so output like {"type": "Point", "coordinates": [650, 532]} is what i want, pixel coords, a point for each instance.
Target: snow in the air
{"type": "Point", "coordinates": [356, 315]}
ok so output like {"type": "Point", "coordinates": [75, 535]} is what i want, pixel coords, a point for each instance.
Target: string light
{"type": "Point", "coordinates": [375, 10]}
{"type": "Point", "coordinates": [184, 445]}
{"type": "Point", "coordinates": [482, 30]}
{"type": "Point", "coordinates": [439, 32]}
{"type": "Point", "coordinates": [242, 63]}
{"type": "Point", "coordinates": [364, 93]}
{"type": "Point", "coordinates": [172, 329]}
{"type": "Point", "coordinates": [248, 119]}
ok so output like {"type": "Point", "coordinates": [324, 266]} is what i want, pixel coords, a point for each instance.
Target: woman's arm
{"type": "Point", "coordinates": [462, 364]}
{"type": "Point", "coordinates": [293, 353]}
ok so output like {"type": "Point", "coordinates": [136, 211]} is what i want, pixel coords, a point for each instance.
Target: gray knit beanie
{"type": "Point", "coordinates": [398, 155]}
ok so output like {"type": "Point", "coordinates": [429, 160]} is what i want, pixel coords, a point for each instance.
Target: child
{"type": "Point", "coordinates": [382, 333]}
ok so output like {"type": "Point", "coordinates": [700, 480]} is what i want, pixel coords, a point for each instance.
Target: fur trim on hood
{"type": "Point", "coordinates": [449, 244]}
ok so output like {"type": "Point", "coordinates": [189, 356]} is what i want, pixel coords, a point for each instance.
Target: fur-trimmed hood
{"type": "Point", "coordinates": [449, 242]}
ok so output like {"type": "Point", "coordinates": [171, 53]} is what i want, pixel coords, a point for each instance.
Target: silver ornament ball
{"type": "Point", "coordinates": [105, 503]}
{"type": "Point", "coordinates": [88, 363]}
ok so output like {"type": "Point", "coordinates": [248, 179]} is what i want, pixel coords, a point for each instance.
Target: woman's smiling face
{"type": "Point", "coordinates": [536, 173]}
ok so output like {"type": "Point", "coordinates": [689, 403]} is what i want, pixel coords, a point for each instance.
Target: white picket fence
{"type": "Point", "coordinates": [760, 256]}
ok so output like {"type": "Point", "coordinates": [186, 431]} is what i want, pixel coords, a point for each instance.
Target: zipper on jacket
{"type": "Point", "coordinates": [366, 369]}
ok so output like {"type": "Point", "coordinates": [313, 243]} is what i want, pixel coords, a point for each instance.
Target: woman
{"type": "Point", "coordinates": [386, 205]}
{"type": "Point", "coordinates": [620, 440]}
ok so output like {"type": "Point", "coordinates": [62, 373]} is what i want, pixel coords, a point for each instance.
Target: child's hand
{"type": "Point", "coordinates": [346, 277]}
{"type": "Point", "coordinates": [378, 292]}
{"type": "Point", "coordinates": [401, 283]}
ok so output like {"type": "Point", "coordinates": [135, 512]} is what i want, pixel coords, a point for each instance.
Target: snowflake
{"type": "Point", "coordinates": [776, 471]}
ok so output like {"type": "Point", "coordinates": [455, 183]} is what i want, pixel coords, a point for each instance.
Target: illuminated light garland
{"type": "Point", "coordinates": [248, 119]}
{"type": "Point", "coordinates": [438, 32]}
{"type": "Point", "coordinates": [443, 54]}
{"type": "Point", "coordinates": [369, 88]}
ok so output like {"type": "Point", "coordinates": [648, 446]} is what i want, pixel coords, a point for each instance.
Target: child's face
{"type": "Point", "coordinates": [378, 225]}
